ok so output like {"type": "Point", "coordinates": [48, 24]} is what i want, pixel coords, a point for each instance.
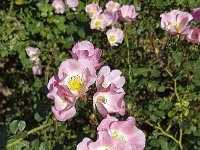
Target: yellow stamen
{"type": "Point", "coordinates": [76, 83]}
{"type": "Point", "coordinates": [176, 25]}
{"type": "Point", "coordinates": [117, 135]}
{"type": "Point", "coordinates": [98, 23]}
{"type": "Point", "coordinates": [111, 38]}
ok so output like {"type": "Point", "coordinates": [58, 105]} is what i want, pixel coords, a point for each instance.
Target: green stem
{"type": "Point", "coordinates": [128, 53]}
{"type": "Point", "coordinates": [29, 132]}
{"type": "Point", "coordinates": [175, 90]}
{"type": "Point", "coordinates": [11, 7]}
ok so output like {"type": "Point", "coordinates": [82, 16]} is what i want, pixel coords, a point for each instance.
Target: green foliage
{"type": "Point", "coordinates": [162, 75]}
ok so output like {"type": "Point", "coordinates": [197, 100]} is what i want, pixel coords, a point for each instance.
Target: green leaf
{"type": "Point", "coordinates": [38, 117]}
{"type": "Point", "coordinates": [176, 57]}
{"type": "Point", "coordinates": [44, 146]}
{"type": "Point", "coordinates": [13, 126]}
{"type": "Point", "coordinates": [21, 125]}
{"type": "Point", "coordinates": [35, 144]}
{"type": "Point", "coordinates": [164, 144]}
{"type": "Point", "coordinates": [161, 88]}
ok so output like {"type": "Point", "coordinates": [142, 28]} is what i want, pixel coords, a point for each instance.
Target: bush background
{"type": "Point", "coordinates": [162, 75]}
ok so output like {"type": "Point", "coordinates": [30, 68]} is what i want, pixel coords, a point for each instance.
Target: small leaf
{"type": "Point", "coordinates": [176, 57]}
{"type": "Point", "coordinates": [163, 144]}
{"type": "Point", "coordinates": [13, 126]}
{"type": "Point", "coordinates": [21, 125]}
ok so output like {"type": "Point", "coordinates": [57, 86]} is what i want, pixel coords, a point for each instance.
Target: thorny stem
{"type": "Point", "coordinates": [28, 133]}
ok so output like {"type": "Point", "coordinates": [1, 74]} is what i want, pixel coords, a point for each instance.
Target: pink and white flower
{"type": "Point", "coordinates": [58, 6]}
{"type": "Point", "coordinates": [125, 131]}
{"type": "Point", "coordinates": [36, 70]}
{"type": "Point", "coordinates": [72, 3]}
{"type": "Point", "coordinates": [32, 52]}
{"type": "Point", "coordinates": [76, 76]}
{"type": "Point", "coordinates": [86, 50]}
{"type": "Point", "coordinates": [115, 36]}
{"type": "Point", "coordinates": [193, 35]}
{"type": "Point", "coordinates": [196, 14]}
{"type": "Point", "coordinates": [176, 22]}
{"type": "Point", "coordinates": [127, 13]}
{"type": "Point", "coordinates": [101, 21]}
{"type": "Point", "coordinates": [103, 142]}
{"type": "Point", "coordinates": [112, 6]}
{"type": "Point", "coordinates": [109, 101]}
{"type": "Point", "coordinates": [93, 9]}
{"type": "Point", "coordinates": [106, 77]}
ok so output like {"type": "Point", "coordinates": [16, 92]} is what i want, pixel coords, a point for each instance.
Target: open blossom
{"type": "Point", "coordinates": [112, 6]}
{"type": "Point", "coordinates": [86, 50]}
{"type": "Point", "coordinates": [193, 35]}
{"type": "Point", "coordinates": [71, 3]}
{"type": "Point", "coordinates": [100, 21]}
{"type": "Point", "coordinates": [109, 101]}
{"type": "Point", "coordinates": [32, 51]}
{"type": "Point", "coordinates": [76, 76]}
{"type": "Point", "coordinates": [125, 131]}
{"type": "Point", "coordinates": [103, 142]}
{"type": "Point", "coordinates": [106, 77]}
{"type": "Point", "coordinates": [176, 22]}
{"type": "Point", "coordinates": [196, 14]}
{"type": "Point", "coordinates": [58, 6]}
{"type": "Point", "coordinates": [115, 36]}
{"type": "Point", "coordinates": [93, 9]}
{"type": "Point", "coordinates": [127, 13]}
{"type": "Point", "coordinates": [36, 70]}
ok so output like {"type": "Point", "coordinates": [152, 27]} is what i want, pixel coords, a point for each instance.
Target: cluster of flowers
{"type": "Point", "coordinates": [33, 54]}
{"type": "Point", "coordinates": [60, 6]}
{"type": "Point", "coordinates": [176, 22]}
{"type": "Point", "coordinates": [115, 135]}
{"type": "Point", "coordinates": [73, 80]}
{"type": "Point", "coordinates": [113, 12]}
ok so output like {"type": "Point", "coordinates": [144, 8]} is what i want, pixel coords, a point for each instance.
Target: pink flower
{"type": "Point", "coordinates": [112, 6]}
{"type": "Point", "coordinates": [106, 77]}
{"type": "Point", "coordinates": [58, 6]}
{"type": "Point", "coordinates": [86, 50]}
{"type": "Point", "coordinates": [109, 101]}
{"type": "Point", "coordinates": [76, 76]}
{"type": "Point", "coordinates": [72, 3]}
{"type": "Point", "coordinates": [93, 9]}
{"type": "Point", "coordinates": [103, 142]}
{"type": "Point", "coordinates": [176, 22]}
{"type": "Point", "coordinates": [115, 36]}
{"type": "Point", "coordinates": [100, 21]}
{"type": "Point", "coordinates": [36, 70]}
{"type": "Point", "coordinates": [196, 14]}
{"type": "Point", "coordinates": [128, 13]}
{"type": "Point", "coordinates": [32, 52]}
{"type": "Point", "coordinates": [113, 17]}
{"type": "Point", "coordinates": [193, 35]}
{"type": "Point", "coordinates": [125, 131]}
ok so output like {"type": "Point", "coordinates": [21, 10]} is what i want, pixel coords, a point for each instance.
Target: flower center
{"type": "Point", "coordinates": [75, 83]}
{"type": "Point", "coordinates": [102, 100]}
{"type": "Point", "coordinates": [92, 12]}
{"type": "Point", "coordinates": [104, 85]}
{"type": "Point", "coordinates": [98, 23]}
{"type": "Point", "coordinates": [117, 135]}
{"type": "Point", "coordinates": [111, 38]}
{"type": "Point", "coordinates": [176, 25]}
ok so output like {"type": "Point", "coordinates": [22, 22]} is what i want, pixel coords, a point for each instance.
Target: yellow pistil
{"type": "Point", "coordinates": [98, 23]}
{"type": "Point", "coordinates": [76, 83]}
{"type": "Point", "coordinates": [111, 38]}
{"type": "Point", "coordinates": [102, 100]}
{"type": "Point", "coordinates": [104, 85]}
{"type": "Point", "coordinates": [92, 12]}
{"type": "Point", "coordinates": [117, 136]}
{"type": "Point", "coordinates": [176, 25]}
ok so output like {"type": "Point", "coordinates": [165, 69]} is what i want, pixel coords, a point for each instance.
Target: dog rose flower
{"type": "Point", "coordinates": [86, 50]}
{"type": "Point", "coordinates": [106, 77]}
{"type": "Point", "coordinates": [193, 35]}
{"type": "Point", "coordinates": [32, 51]}
{"type": "Point", "coordinates": [112, 6]}
{"type": "Point", "coordinates": [72, 3]}
{"type": "Point", "coordinates": [176, 22]}
{"type": "Point", "coordinates": [127, 13]}
{"type": "Point", "coordinates": [36, 70]}
{"type": "Point", "coordinates": [125, 131]}
{"type": "Point", "coordinates": [76, 76]}
{"type": "Point", "coordinates": [58, 6]}
{"type": "Point", "coordinates": [100, 21]}
{"type": "Point", "coordinates": [115, 36]}
{"type": "Point", "coordinates": [93, 9]}
{"type": "Point", "coordinates": [196, 14]}
{"type": "Point", "coordinates": [103, 142]}
{"type": "Point", "coordinates": [109, 101]}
